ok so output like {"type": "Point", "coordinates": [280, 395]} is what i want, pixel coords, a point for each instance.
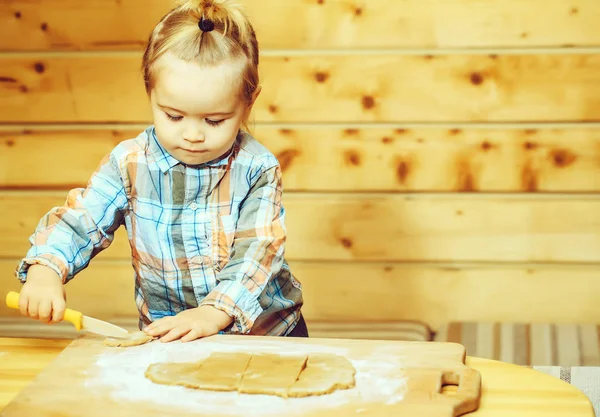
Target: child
{"type": "Point", "coordinates": [200, 198]}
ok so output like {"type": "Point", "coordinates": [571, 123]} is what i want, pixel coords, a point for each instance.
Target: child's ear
{"type": "Point", "coordinates": [253, 100]}
{"type": "Point", "coordinates": [255, 95]}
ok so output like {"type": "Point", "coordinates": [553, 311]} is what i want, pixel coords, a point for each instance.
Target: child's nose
{"type": "Point", "coordinates": [194, 139]}
{"type": "Point", "coordinates": [194, 135]}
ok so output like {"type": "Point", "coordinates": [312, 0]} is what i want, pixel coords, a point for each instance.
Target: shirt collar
{"type": "Point", "coordinates": [163, 159]}
{"type": "Point", "coordinates": [166, 161]}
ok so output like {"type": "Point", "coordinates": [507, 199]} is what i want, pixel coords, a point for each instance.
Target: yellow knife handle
{"type": "Point", "coordinates": [12, 300]}
{"type": "Point", "coordinates": [75, 317]}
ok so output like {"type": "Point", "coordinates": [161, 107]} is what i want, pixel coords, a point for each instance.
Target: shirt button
{"type": "Point", "coordinates": [193, 206]}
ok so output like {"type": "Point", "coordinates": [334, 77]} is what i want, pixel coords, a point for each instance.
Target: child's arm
{"type": "Point", "coordinates": [259, 247]}
{"type": "Point", "coordinates": [258, 255]}
{"type": "Point", "coordinates": [67, 238]}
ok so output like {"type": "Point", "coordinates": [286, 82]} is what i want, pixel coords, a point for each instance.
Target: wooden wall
{"type": "Point", "coordinates": [441, 157]}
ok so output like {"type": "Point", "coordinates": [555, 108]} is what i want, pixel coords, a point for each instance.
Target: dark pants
{"type": "Point", "coordinates": [300, 330]}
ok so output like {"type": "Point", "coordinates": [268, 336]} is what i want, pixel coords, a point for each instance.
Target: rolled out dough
{"type": "Point", "coordinates": [134, 339]}
{"type": "Point", "coordinates": [270, 374]}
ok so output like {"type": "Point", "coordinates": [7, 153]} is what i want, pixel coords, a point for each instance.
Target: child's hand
{"type": "Point", "coordinates": [192, 324]}
{"type": "Point", "coordinates": [43, 295]}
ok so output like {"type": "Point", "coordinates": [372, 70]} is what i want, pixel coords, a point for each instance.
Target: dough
{"type": "Point", "coordinates": [134, 339]}
{"type": "Point", "coordinates": [270, 374]}
{"type": "Point", "coordinates": [323, 374]}
{"type": "Point", "coordinates": [219, 372]}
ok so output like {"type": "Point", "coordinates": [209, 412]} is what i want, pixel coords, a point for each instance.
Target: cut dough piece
{"type": "Point", "coordinates": [323, 374]}
{"type": "Point", "coordinates": [267, 374]}
{"type": "Point", "coordinates": [219, 372]}
{"type": "Point", "coordinates": [134, 339]}
{"type": "Point", "coordinates": [223, 371]}
{"type": "Point", "coordinates": [174, 373]}
{"type": "Point", "coordinates": [271, 374]}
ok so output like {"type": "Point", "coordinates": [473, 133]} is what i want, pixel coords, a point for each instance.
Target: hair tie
{"type": "Point", "coordinates": [206, 25]}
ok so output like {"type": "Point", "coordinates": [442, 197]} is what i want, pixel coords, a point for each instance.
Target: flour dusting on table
{"type": "Point", "coordinates": [379, 379]}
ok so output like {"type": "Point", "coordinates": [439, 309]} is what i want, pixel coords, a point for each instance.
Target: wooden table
{"type": "Point", "coordinates": [508, 390]}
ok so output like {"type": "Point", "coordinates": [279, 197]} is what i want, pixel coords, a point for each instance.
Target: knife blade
{"type": "Point", "coordinates": [103, 327]}
{"type": "Point", "coordinates": [78, 320]}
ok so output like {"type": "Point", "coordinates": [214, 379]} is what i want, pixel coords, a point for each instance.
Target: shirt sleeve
{"type": "Point", "coordinates": [69, 236]}
{"type": "Point", "coordinates": [258, 253]}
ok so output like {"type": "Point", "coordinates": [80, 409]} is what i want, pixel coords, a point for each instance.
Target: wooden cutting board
{"type": "Point", "coordinates": [392, 378]}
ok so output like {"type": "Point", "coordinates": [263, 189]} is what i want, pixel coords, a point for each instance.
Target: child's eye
{"type": "Point", "coordinates": [214, 122]}
{"type": "Point", "coordinates": [174, 118]}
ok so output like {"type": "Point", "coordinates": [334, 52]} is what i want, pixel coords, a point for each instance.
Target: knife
{"type": "Point", "coordinates": [78, 320]}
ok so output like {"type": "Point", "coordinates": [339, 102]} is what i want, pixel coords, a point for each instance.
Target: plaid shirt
{"type": "Point", "coordinates": [211, 234]}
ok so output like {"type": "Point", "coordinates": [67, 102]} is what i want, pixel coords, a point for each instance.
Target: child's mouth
{"type": "Point", "coordinates": [196, 151]}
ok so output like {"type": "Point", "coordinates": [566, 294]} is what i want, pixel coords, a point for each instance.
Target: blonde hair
{"type": "Point", "coordinates": [233, 37]}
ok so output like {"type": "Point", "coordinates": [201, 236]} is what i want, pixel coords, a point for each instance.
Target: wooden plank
{"type": "Point", "coordinates": [380, 227]}
{"type": "Point", "coordinates": [317, 158]}
{"type": "Point", "coordinates": [102, 24]}
{"type": "Point", "coordinates": [322, 88]}
{"type": "Point", "coordinates": [80, 86]}
{"type": "Point", "coordinates": [385, 292]}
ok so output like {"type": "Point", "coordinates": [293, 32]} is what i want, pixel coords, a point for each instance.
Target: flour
{"type": "Point", "coordinates": [379, 378]}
